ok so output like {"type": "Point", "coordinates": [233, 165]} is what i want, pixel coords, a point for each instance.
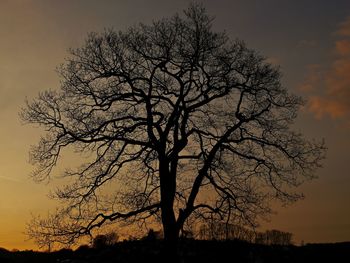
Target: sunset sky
{"type": "Point", "coordinates": [309, 39]}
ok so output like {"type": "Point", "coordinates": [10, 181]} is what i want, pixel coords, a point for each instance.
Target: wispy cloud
{"type": "Point", "coordinates": [328, 86]}
{"type": "Point", "coordinates": [344, 28]}
{"type": "Point", "coordinates": [342, 47]}
{"type": "Point", "coordinates": [321, 107]}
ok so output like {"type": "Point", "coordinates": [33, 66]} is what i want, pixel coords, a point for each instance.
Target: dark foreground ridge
{"type": "Point", "coordinates": [189, 251]}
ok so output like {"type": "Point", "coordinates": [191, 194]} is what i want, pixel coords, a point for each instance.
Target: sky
{"type": "Point", "coordinates": [309, 39]}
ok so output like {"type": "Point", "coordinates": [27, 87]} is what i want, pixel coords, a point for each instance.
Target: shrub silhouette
{"type": "Point", "coordinates": [105, 240]}
{"type": "Point", "coordinates": [153, 235]}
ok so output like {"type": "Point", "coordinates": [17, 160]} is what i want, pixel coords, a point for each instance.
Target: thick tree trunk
{"type": "Point", "coordinates": [170, 228]}
{"type": "Point", "coordinates": [171, 238]}
{"type": "Point", "coordinates": [171, 231]}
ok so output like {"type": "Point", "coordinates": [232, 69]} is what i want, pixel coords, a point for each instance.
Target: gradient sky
{"type": "Point", "coordinates": [309, 39]}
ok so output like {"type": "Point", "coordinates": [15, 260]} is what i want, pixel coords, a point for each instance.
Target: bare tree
{"type": "Point", "coordinates": [181, 124]}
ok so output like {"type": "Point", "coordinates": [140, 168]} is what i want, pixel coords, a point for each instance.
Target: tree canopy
{"type": "Point", "coordinates": [181, 124]}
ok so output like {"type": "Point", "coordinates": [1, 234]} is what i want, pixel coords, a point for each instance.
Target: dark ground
{"type": "Point", "coordinates": [189, 251]}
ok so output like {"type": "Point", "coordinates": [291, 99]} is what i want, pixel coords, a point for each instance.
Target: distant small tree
{"type": "Point", "coordinates": [179, 123]}
{"type": "Point", "coordinates": [83, 248]}
{"type": "Point", "coordinates": [153, 235]}
{"type": "Point", "coordinates": [105, 240]}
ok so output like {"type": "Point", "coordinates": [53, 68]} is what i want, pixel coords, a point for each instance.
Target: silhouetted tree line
{"type": "Point", "coordinates": [202, 251]}
{"type": "Point", "coordinates": [224, 231]}
{"type": "Point", "coordinates": [213, 230]}
{"type": "Point", "coordinates": [274, 237]}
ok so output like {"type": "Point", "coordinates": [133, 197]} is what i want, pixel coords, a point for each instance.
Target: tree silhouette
{"type": "Point", "coordinates": [180, 124]}
{"type": "Point", "coordinates": [105, 240]}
